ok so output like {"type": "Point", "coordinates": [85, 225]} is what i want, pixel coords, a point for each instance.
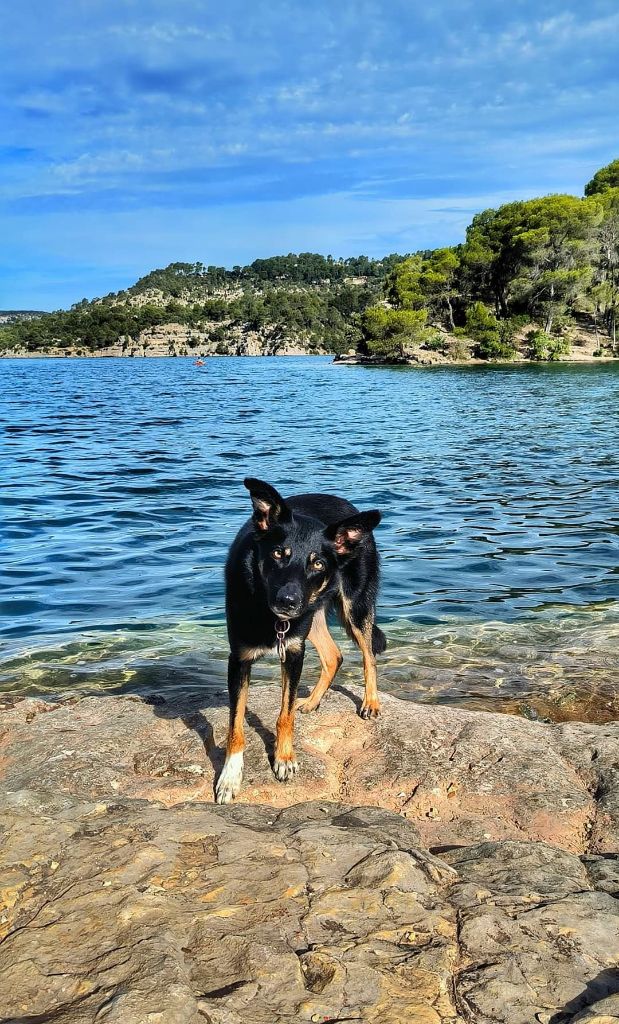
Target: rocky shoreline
{"type": "Point", "coordinates": [584, 346]}
{"type": "Point", "coordinates": [164, 348]}
{"type": "Point", "coordinates": [177, 339]}
{"type": "Point", "coordinates": [434, 359]}
{"type": "Point", "coordinates": [439, 865]}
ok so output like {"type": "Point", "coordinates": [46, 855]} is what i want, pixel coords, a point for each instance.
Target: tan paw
{"type": "Point", "coordinates": [370, 709]}
{"type": "Point", "coordinates": [308, 704]}
{"type": "Point", "coordinates": [284, 768]}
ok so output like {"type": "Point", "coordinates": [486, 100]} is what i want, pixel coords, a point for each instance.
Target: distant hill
{"type": "Point", "coordinates": [286, 304]}
{"type": "Point", "coordinates": [535, 279]}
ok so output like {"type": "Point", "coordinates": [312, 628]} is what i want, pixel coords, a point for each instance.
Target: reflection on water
{"type": "Point", "coordinates": [543, 670]}
{"type": "Point", "coordinates": [500, 537]}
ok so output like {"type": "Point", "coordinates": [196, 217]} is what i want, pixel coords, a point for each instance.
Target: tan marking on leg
{"type": "Point", "coordinates": [236, 740]}
{"type": "Point", "coordinates": [363, 637]}
{"type": "Point", "coordinates": [370, 707]}
{"type": "Point", "coordinates": [330, 660]}
{"type": "Point", "coordinates": [285, 733]}
{"type": "Point", "coordinates": [284, 763]}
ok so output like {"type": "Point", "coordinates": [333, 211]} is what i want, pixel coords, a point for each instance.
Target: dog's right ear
{"type": "Point", "coordinates": [269, 506]}
{"type": "Point", "coordinates": [347, 534]}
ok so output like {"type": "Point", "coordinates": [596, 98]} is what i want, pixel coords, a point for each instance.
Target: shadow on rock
{"type": "Point", "coordinates": [167, 689]}
{"type": "Point", "coordinates": [603, 985]}
{"type": "Point", "coordinates": [355, 698]}
{"type": "Point", "coordinates": [267, 737]}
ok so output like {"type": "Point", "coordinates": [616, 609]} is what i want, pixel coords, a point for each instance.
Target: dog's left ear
{"type": "Point", "coordinates": [346, 534]}
{"type": "Point", "coordinates": [269, 506]}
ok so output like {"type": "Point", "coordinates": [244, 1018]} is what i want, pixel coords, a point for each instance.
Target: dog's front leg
{"type": "Point", "coordinates": [229, 782]}
{"type": "Point", "coordinates": [284, 764]}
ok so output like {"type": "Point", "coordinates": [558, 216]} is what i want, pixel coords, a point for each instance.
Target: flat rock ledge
{"type": "Point", "coordinates": [438, 866]}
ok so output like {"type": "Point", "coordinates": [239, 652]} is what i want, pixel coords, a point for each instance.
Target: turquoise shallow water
{"type": "Point", "coordinates": [122, 487]}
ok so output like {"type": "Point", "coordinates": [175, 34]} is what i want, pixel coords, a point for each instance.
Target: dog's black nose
{"type": "Point", "coordinates": [289, 598]}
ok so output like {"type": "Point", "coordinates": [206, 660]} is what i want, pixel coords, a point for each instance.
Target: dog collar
{"type": "Point", "coordinates": [281, 628]}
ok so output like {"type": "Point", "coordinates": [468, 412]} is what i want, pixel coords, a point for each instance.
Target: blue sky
{"type": "Point", "coordinates": [135, 133]}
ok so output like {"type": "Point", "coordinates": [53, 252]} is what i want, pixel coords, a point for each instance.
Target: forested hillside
{"type": "Point", "coordinates": [304, 301]}
{"type": "Point", "coordinates": [525, 277]}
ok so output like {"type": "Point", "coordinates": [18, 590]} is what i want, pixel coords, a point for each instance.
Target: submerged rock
{"type": "Point", "coordinates": [128, 897]}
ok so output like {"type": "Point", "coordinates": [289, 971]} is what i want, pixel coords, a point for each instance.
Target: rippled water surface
{"type": "Point", "coordinates": [122, 487]}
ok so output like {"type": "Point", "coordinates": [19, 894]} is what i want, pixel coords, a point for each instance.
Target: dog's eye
{"type": "Point", "coordinates": [318, 565]}
{"type": "Point", "coordinates": [277, 553]}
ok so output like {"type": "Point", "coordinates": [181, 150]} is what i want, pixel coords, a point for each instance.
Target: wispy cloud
{"type": "Point", "coordinates": [120, 113]}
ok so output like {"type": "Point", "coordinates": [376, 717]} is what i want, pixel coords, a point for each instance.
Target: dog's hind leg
{"type": "Point", "coordinates": [370, 707]}
{"type": "Point", "coordinates": [284, 763]}
{"type": "Point", "coordinates": [330, 660]}
{"type": "Point", "coordinates": [359, 622]}
{"type": "Point", "coordinates": [229, 782]}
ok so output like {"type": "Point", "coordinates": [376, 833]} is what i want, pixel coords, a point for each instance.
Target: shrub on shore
{"type": "Point", "coordinates": [544, 347]}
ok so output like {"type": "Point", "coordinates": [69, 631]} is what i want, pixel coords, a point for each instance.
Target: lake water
{"type": "Point", "coordinates": [122, 488]}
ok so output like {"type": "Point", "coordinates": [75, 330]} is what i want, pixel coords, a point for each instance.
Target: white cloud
{"type": "Point", "coordinates": [138, 104]}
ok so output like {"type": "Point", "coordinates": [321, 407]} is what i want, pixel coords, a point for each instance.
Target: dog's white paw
{"type": "Point", "coordinates": [229, 782]}
{"type": "Point", "coordinates": [284, 769]}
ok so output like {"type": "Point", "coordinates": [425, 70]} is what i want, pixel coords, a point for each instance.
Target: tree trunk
{"type": "Point", "coordinates": [451, 313]}
{"type": "Point", "coordinates": [550, 316]}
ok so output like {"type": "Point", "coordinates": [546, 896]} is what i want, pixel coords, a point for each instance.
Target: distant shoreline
{"type": "Point", "coordinates": [338, 360]}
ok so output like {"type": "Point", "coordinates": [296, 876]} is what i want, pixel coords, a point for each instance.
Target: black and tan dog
{"type": "Point", "coordinates": [288, 565]}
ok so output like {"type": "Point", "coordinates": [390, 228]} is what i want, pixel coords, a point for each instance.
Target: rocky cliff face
{"type": "Point", "coordinates": [435, 866]}
{"type": "Point", "coordinates": [181, 340]}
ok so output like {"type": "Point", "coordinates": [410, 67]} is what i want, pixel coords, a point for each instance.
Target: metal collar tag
{"type": "Point", "coordinates": [281, 628]}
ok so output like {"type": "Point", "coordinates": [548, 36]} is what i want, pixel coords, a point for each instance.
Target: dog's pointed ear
{"type": "Point", "coordinates": [346, 535]}
{"type": "Point", "coordinates": [269, 506]}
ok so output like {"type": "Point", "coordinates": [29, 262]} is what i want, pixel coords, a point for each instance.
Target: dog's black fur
{"type": "Point", "coordinates": [295, 559]}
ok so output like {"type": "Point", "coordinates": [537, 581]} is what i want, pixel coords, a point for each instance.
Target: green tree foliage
{"type": "Point", "coordinates": [403, 285]}
{"type": "Point", "coordinates": [306, 268]}
{"type": "Point", "coordinates": [316, 315]}
{"type": "Point", "coordinates": [544, 347]}
{"type": "Point", "coordinates": [394, 332]}
{"type": "Point", "coordinates": [493, 338]}
{"type": "Point", "coordinates": [416, 288]}
{"type": "Point", "coordinates": [439, 283]}
{"type": "Point", "coordinates": [491, 256]}
{"type": "Point", "coordinates": [530, 255]}
{"type": "Point", "coordinates": [425, 282]}
{"type": "Point", "coordinates": [556, 250]}
{"type": "Point", "coordinates": [541, 260]}
{"type": "Point", "coordinates": [603, 180]}
{"type": "Point", "coordinates": [93, 328]}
